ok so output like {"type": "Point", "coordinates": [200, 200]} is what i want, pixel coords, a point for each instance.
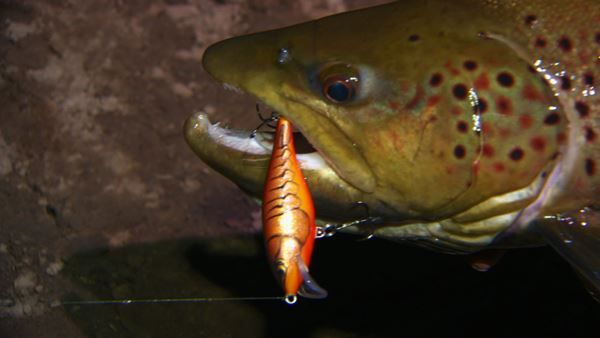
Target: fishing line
{"type": "Point", "coordinates": [128, 301]}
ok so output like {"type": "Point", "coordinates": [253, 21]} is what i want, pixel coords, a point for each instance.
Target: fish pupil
{"type": "Point", "coordinates": [339, 91]}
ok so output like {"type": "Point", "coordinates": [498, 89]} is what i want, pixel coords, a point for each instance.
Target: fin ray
{"type": "Point", "coordinates": [576, 237]}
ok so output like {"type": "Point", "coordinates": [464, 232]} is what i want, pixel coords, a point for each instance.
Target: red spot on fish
{"type": "Point", "coordinates": [394, 105]}
{"type": "Point", "coordinates": [590, 167]}
{"type": "Point", "coordinates": [433, 100]}
{"type": "Point", "coordinates": [538, 143]}
{"type": "Point", "coordinates": [531, 93]}
{"type": "Point", "coordinates": [504, 105]}
{"type": "Point", "coordinates": [561, 137]}
{"type": "Point", "coordinates": [396, 140]}
{"type": "Point", "coordinates": [415, 100]}
{"type": "Point", "coordinates": [486, 128]}
{"type": "Point", "coordinates": [540, 42]}
{"type": "Point", "coordinates": [504, 132]}
{"type": "Point", "coordinates": [590, 135]}
{"type": "Point", "coordinates": [525, 121]}
{"type": "Point", "coordinates": [451, 69]}
{"type": "Point", "coordinates": [598, 38]}
{"type": "Point", "coordinates": [584, 56]}
{"type": "Point", "coordinates": [498, 167]}
{"type": "Point", "coordinates": [482, 82]}
{"type": "Point", "coordinates": [516, 154]}
{"type": "Point", "coordinates": [487, 150]}
{"type": "Point", "coordinates": [456, 111]}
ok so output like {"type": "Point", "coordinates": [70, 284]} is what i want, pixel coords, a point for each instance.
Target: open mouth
{"type": "Point", "coordinates": [252, 146]}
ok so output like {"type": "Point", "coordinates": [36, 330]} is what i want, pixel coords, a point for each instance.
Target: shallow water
{"type": "Point", "coordinates": [377, 289]}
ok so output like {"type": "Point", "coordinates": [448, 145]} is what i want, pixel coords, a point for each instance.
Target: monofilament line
{"type": "Point", "coordinates": [165, 300]}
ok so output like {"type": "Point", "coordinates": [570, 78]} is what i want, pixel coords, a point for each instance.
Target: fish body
{"type": "Point", "coordinates": [464, 125]}
{"type": "Point", "coordinates": [289, 218]}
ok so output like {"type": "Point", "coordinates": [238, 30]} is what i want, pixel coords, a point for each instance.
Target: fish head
{"type": "Point", "coordinates": [409, 109]}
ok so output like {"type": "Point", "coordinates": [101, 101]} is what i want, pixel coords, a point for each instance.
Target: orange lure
{"type": "Point", "coordinates": [289, 219]}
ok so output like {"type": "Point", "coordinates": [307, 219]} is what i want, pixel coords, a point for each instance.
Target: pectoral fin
{"type": "Point", "coordinates": [576, 236]}
{"type": "Point", "coordinates": [309, 288]}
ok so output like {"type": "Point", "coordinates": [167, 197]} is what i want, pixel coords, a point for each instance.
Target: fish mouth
{"type": "Point", "coordinates": [250, 148]}
{"type": "Point", "coordinates": [244, 160]}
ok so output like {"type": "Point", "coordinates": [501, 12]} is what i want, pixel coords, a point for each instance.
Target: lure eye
{"type": "Point", "coordinates": [280, 269]}
{"type": "Point", "coordinates": [339, 89]}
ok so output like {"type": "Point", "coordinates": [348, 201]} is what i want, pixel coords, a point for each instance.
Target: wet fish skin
{"type": "Point", "coordinates": [470, 120]}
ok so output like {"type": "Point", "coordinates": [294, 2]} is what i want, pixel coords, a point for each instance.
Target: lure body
{"type": "Point", "coordinates": [289, 218]}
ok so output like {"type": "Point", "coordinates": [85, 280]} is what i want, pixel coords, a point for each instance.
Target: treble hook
{"type": "Point", "coordinates": [329, 229]}
{"type": "Point", "coordinates": [273, 118]}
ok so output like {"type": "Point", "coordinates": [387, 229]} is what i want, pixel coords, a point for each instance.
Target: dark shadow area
{"type": "Point", "coordinates": [377, 289]}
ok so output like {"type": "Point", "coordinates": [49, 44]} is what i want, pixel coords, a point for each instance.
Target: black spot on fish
{"type": "Point", "coordinates": [588, 79]}
{"type": "Point", "coordinates": [565, 44]}
{"type": "Point", "coordinates": [582, 108]}
{"type": "Point", "coordinates": [436, 79]}
{"type": "Point", "coordinates": [590, 167]}
{"type": "Point", "coordinates": [470, 65]}
{"type": "Point", "coordinates": [505, 79]}
{"type": "Point", "coordinates": [460, 91]}
{"type": "Point", "coordinates": [516, 154]}
{"type": "Point", "coordinates": [552, 119]}
{"type": "Point", "coordinates": [482, 105]}
{"type": "Point", "coordinates": [413, 38]}
{"type": "Point", "coordinates": [565, 83]}
{"type": "Point", "coordinates": [530, 20]}
{"type": "Point", "coordinates": [460, 151]}
{"type": "Point", "coordinates": [462, 126]}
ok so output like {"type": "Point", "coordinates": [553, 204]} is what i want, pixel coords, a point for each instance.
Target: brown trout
{"type": "Point", "coordinates": [463, 125]}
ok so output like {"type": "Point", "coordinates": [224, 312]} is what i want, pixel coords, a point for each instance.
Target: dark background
{"type": "Point", "coordinates": [100, 197]}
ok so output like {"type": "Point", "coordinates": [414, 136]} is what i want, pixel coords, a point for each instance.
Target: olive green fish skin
{"type": "Point", "coordinates": [456, 104]}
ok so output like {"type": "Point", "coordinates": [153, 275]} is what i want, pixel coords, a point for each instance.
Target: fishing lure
{"type": "Point", "coordinates": [289, 219]}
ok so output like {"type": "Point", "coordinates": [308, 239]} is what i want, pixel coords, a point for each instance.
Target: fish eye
{"type": "Point", "coordinates": [339, 82]}
{"type": "Point", "coordinates": [339, 89]}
